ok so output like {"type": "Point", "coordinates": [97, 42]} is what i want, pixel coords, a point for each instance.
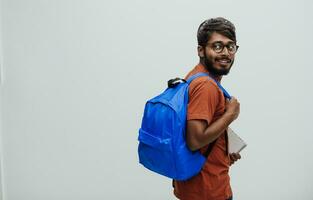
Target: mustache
{"type": "Point", "coordinates": [223, 57]}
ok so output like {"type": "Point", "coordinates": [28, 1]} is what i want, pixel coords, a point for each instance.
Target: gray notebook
{"type": "Point", "coordinates": [236, 144]}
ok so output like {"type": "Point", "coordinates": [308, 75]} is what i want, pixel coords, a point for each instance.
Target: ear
{"type": "Point", "coordinates": [200, 51]}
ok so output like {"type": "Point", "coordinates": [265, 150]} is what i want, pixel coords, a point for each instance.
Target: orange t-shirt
{"type": "Point", "coordinates": [206, 102]}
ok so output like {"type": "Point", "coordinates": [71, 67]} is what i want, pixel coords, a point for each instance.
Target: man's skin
{"type": "Point", "coordinates": [199, 132]}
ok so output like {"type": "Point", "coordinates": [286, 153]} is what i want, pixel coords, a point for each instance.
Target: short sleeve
{"type": "Point", "coordinates": [203, 99]}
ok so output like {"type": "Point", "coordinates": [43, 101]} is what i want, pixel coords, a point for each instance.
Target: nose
{"type": "Point", "coordinates": [225, 51]}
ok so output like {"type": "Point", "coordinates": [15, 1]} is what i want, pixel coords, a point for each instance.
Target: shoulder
{"type": "Point", "coordinates": [204, 84]}
{"type": "Point", "coordinates": [204, 99]}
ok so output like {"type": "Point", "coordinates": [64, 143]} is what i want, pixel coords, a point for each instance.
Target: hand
{"type": "Point", "coordinates": [234, 157]}
{"type": "Point", "coordinates": [232, 108]}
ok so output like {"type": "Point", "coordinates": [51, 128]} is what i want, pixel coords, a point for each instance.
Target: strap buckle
{"type": "Point", "coordinates": [175, 81]}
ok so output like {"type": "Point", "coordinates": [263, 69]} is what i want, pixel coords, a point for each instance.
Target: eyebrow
{"type": "Point", "coordinates": [229, 42]}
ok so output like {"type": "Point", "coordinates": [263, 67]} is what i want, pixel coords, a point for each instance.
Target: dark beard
{"type": "Point", "coordinates": [216, 72]}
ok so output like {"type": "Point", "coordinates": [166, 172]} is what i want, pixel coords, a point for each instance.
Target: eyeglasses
{"type": "Point", "coordinates": [218, 47]}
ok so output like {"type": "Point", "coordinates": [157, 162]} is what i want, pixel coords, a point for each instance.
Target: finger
{"type": "Point", "coordinates": [232, 97]}
{"type": "Point", "coordinates": [238, 156]}
{"type": "Point", "coordinates": [235, 156]}
{"type": "Point", "coordinates": [232, 157]}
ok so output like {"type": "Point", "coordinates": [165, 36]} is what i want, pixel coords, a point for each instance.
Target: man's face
{"type": "Point", "coordinates": [218, 60]}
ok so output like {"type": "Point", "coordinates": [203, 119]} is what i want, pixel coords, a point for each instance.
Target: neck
{"type": "Point", "coordinates": [212, 75]}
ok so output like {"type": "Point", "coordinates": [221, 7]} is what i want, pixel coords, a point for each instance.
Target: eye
{"type": "Point", "coordinates": [231, 47]}
{"type": "Point", "coordinates": [217, 46]}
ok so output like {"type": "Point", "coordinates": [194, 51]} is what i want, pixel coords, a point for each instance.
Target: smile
{"type": "Point", "coordinates": [224, 61]}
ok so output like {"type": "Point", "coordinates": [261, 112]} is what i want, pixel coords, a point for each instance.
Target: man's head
{"type": "Point", "coordinates": [217, 45]}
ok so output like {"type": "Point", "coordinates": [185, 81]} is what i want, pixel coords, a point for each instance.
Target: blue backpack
{"type": "Point", "coordinates": [162, 145]}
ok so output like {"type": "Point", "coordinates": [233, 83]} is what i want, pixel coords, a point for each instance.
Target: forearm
{"type": "Point", "coordinates": [215, 129]}
{"type": "Point", "coordinates": [199, 135]}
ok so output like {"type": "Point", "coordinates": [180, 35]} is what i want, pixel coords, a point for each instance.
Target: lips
{"type": "Point", "coordinates": [224, 60]}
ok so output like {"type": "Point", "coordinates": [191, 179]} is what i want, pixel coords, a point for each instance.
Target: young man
{"type": "Point", "coordinates": [210, 114]}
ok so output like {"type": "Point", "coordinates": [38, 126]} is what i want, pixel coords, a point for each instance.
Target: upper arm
{"type": "Point", "coordinates": [194, 133]}
{"type": "Point", "coordinates": [203, 99]}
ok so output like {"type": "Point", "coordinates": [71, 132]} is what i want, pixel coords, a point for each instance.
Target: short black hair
{"type": "Point", "coordinates": [219, 25]}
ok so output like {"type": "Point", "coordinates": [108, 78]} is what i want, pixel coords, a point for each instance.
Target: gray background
{"type": "Point", "coordinates": [75, 76]}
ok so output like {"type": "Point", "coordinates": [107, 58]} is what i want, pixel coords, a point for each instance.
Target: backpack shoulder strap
{"type": "Point", "coordinates": [226, 94]}
{"type": "Point", "coordinates": [191, 78]}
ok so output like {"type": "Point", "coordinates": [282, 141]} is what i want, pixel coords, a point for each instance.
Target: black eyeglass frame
{"type": "Point", "coordinates": [223, 46]}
